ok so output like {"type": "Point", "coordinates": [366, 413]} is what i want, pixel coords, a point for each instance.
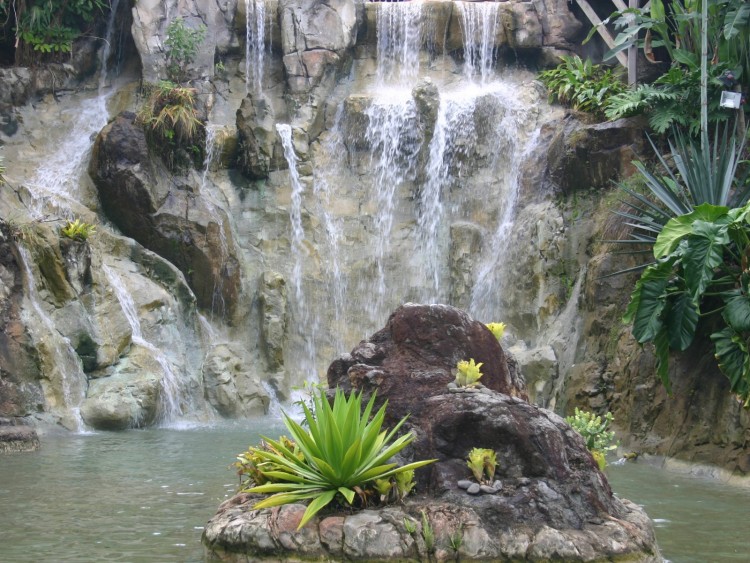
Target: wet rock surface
{"type": "Point", "coordinates": [549, 500]}
{"type": "Point", "coordinates": [17, 437]}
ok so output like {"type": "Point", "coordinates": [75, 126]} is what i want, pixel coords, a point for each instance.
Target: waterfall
{"type": "Point", "coordinates": [453, 134]}
{"type": "Point", "coordinates": [394, 147]}
{"type": "Point", "coordinates": [479, 27]}
{"type": "Point", "coordinates": [255, 30]}
{"type": "Point", "coordinates": [491, 271]}
{"type": "Point", "coordinates": [64, 373]}
{"type": "Point", "coordinates": [399, 38]}
{"type": "Point", "coordinates": [299, 252]}
{"type": "Point", "coordinates": [324, 194]}
{"type": "Point", "coordinates": [212, 152]}
{"type": "Point", "coordinates": [57, 180]}
{"type": "Point", "coordinates": [171, 395]}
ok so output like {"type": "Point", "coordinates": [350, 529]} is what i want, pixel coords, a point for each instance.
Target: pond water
{"type": "Point", "coordinates": [145, 495]}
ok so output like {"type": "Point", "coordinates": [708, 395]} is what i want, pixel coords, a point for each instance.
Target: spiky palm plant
{"type": "Point", "coordinates": [342, 450]}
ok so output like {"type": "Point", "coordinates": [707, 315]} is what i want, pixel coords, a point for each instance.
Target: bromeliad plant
{"type": "Point", "coordinates": [483, 463]}
{"type": "Point", "coordinates": [595, 432]}
{"type": "Point", "coordinates": [467, 373]}
{"type": "Point", "coordinates": [342, 452]}
{"type": "Point", "coordinates": [497, 329]}
{"type": "Point", "coordinates": [77, 230]}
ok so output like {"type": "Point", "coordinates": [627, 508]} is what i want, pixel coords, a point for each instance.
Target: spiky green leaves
{"type": "Point", "coordinates": [343, 449]}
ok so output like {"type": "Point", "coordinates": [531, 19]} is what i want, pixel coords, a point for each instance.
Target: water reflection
{"type": "Point", "coordinates": [145, 495]}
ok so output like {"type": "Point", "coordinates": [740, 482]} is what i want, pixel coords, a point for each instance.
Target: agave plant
{"type": "Point", "coordinates": [342, 450]}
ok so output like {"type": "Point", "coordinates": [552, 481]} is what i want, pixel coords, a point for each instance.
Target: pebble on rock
{"type": "Point", "coordinates": [473, 489]}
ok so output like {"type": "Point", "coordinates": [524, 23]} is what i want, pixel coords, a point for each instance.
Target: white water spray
{"type": "Point", "coordinates": [255, 31]}
{"type": "Point", "coordinates": [479, 27]}
{"type": "Point", "coordinates": [64, 373]}
{"type": "Point", "coordinates": [171, 395]}
{"type": "Point", "coordinates": [399, 38]}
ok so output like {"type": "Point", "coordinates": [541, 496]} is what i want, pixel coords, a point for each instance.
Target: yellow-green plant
{"type": "Point", "coordinates": [498, 329]}
{"type": "Point", "coordinates": [251, 464]}
{"type": "Point", "coordinates": [595, 433]}
{"type": "Point", "coordinates": [483, 463]}
{"type": "Point", "coordinates": [343, 451]}
{"type": "Point", "coordinates": [77, 230]}
{"type": "Point", "coordinates": [384, 488]}
{"type": "Point", "coordinates": [467, 373]}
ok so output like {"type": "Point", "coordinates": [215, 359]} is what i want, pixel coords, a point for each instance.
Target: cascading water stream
{"type": "Point", "coordinates": [479, 27]}
{"type": "Point", "coordinates": [255, 30]}
{"type": "Point", "coordinates": [57, 179]}
{"type": "Point", "coordinates": [171, 396]}
{"type": "Point", "coordinates": [65, 372]}
{"type": "Point", "coordinates": [399, 38]}
{"type": "Point", "coordinates": [310, 322]}
{"type": "Point", "coordinates": [394, 144]}
{"type": "Point", "coordinates": [212, 152]}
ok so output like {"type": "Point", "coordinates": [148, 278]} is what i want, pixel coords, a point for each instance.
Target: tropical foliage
{"type": "Point", "coordinates": [37, 28]}
{"type": "Point", "coordinates": [595, 432]}
{"type": "Point", "coordinates": [467, 373]}
{"type": "Point", "coordinates": [675, 29]}
{"type": "Point", "coordinates": [342, 453]}
{"type": "Point", "coordinates": [695, 221]}
{"type": "Point", "coordinates": [582, 85]}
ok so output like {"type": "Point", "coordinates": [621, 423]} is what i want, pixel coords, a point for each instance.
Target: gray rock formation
{"type": "Point", "coordinates": [17, 437]}
{"type": "Point", "coordinates": [230, 386]}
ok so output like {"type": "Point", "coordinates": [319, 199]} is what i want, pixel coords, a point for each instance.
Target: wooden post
{"type": "Point", "coordinates": [633, 54]}
{"type": "Point", "coordinates": [606, 35]}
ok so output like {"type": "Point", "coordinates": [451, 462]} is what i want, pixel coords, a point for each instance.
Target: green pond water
{"type": "Point", "coordinates": [145, 495]}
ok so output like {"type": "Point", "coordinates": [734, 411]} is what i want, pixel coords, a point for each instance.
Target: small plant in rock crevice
{"type": "Point", "coordinates": [428, 533]}
{"type": "Point", "coordinates": [468, 373]}
{"type": "Point", "coordinates": [169, 115]}
{"type": "Point", "coordinates": [182, 44]}
{"type": "Point", "coordinates": [77, 230]}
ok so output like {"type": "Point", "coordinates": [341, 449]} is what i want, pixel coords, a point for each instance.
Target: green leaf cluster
{"type": "Point", "coordinates": [582, 85]}
{"type": "Point", "coordinates": [77, 230]}
{"type": "Point", "coordinates": [342, 451]}
{"type": "Point", "coordinates": [467, 373]}
{"type": "Point", "coordinates": [182, 44]}
{"type": "Point", "coordinates": [675, 27]}
{"type": "Point", "coordinates": [595, 431]}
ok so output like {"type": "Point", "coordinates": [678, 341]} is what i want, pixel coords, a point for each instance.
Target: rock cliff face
{"type": "Point", "coordinates": [416, 176]}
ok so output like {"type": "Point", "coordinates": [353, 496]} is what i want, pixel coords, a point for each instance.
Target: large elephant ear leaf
{"type": "Point", "coordinates": [737, 313]}
{"type": "Point", "coordinates": [703, 254]}
{"type": "Point", "coordinates": [681, 318]}
{"type": "Point", "coordinates": [651, 297]}
{"type": "Point", "coordinates": [680, 227]}
{"type": "Point", "coordinates": [734, 362]}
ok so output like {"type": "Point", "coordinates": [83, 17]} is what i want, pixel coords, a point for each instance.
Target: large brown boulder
{"type": "Point", "coordinates": [166, 214]}
{"type": "Point", "coordinates": [415, 357]}
{"type": "Point", "coordinates": [549, 501]}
